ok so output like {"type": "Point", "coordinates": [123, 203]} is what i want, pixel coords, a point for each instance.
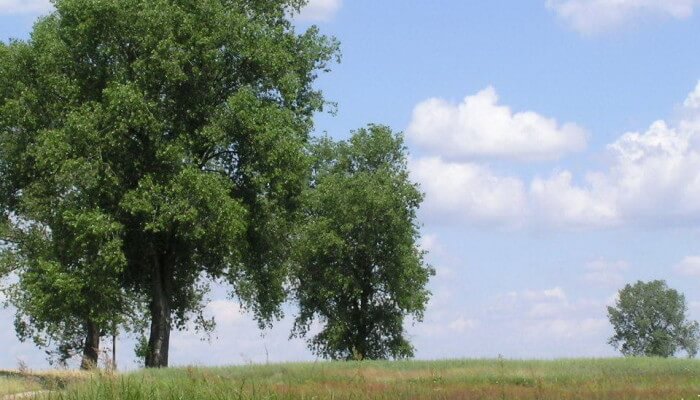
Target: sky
{"type": "Point", "coordinates": [557, 143]}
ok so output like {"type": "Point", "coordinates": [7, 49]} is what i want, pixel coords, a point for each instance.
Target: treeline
{"type": "Point", "coordinates": [151, 147]}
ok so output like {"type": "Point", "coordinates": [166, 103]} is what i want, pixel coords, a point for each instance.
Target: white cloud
{"type": "Point", "coordinates": [225, 312]}
{"type": "Point", "coordinates": [441, 318]}
{"type": "Point", "coordinates": [612, 299]}
{"type": "Point", "coordinates": [430, 243]}
{"type": "Point", "coordinates": [653, 178]}
{"type": "Point", "coordinates": [461, 324]}
{"type": "Point", "coordinates": [320, 10]}
{"type": "Point", "coordinates": [605, 273]}
{"type": "Point", "coordinates": [445, 325]}
{"type": "Point", "coordinates": [566, 328]}
{"type": "Point", "coordinates": [548, 315]}
{"type": "Point", "coordinates": [555, 293]}
{"type": "Point", "coordinates": [468, 192]}
{"type": "Point", "coordinates": [480, 127]}
{"type": "Point", "coordinates": [690, 266]}
{"type": "Point", "coordinates": [15, 7]}
{"type": "Point", "coordinates": [692, 102]}
{"type": "Point", "coordinates": [531, 303]}
{"type": "Point", "coordinates": [557, 201]}
{"type": "Point", "coordinates": [597, 16]}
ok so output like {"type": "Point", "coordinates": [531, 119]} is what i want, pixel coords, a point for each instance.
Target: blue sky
{"type": "Point", "coordinates": [556, 142]}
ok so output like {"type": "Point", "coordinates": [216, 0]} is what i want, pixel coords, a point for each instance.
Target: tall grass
{"type": "Point", "coordinates": [458, 379]}
{"type": "Point", "coordinates": [12, 385]}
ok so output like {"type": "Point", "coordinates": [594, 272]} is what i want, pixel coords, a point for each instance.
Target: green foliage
{"type": "Point", "coordinates": [67, 279]}
{"type": "Point", "coordinates": [146, 145]}
{"type": "Point", "coordinates": [359, 271]}
{"type": "Point", "coordinates": [650, 320]}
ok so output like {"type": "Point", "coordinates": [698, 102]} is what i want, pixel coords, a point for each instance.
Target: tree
{"type": "Point", "coordinates": [65, 252]}
{"type": "Point", "coordinates": [359, 270]}
{"type": "Point", "coordinates": [68, 294]}
{"type": "Point", "coordinates": [176, 129]}
{"type": "Point", "coordinates": [650, 319]}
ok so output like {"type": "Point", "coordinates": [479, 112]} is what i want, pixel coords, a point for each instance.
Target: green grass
{"type": "Point", "coordinates": [13, 384]}
{"type": "Point", "coordinates": [458, 379]}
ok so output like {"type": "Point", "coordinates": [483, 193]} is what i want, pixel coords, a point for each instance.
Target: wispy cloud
{"type": "Point", "coordinates": [604, 272]}
{"type": "Point", "coordinates": [598, 16]}
{"type": "Point", "coordinates": [689, 266]}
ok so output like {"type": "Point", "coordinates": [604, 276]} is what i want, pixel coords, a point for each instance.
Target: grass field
{"type": "Point", "coordinates": [12, 382]}
{"type": "Point", "coordinates": [469, 379]}
{"type": "Point", "coordinates": [11, 385]}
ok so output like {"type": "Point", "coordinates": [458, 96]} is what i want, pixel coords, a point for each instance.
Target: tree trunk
{"type": "Point", "coordinates": [363, 318]}
{"type": "Point", "coordinates": [359, 336]}
{"type": "Point", "coordinates": [114, 351]}
{"type": "Point", "coordinates": [159, 339]}
{"type": "Point", "coordinates": [91, 349]}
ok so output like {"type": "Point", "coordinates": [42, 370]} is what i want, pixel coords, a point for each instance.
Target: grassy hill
{"type": "Point", "coordinates": [467, 379]}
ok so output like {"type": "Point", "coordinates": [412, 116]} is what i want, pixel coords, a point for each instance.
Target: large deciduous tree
{"type": "Point", "coordinates": [649, 319]}
{"type": "Point", "coordinates": [359, 270]}
{"type": "Point", "coordinates": [166, 135]}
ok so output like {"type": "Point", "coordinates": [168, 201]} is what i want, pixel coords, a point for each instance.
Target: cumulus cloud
{"type": "Point", "coordinates": [692, 102]}
{"type": "Point", "coordinates": [480, 127]}
{"type": "Point", "coordinates": [16, 7]}
{"type": "Point", "coordinates": [598, 16]}
{"type": "Point", "coordinates": [320, 10]}
{"type": "Point", "coordinates": [653, 178]}
{"type": "Point", "coordinates": [468, 191]}
{"type": "Point", "coordinates": [690, 266]}
{"type": "Point", "coordinates": [558, 202]}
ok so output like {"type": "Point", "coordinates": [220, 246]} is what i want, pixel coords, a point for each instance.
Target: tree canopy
{"type": "Point", "coordinates": [360, 272]}
{"type": "Point", "coordinates": [149, 145]}
{"type": "Point", "coordinates": [649, 319]}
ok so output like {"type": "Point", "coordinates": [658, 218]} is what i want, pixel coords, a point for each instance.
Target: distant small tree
{"type": "Point", "coordinates": [360, 272]}
{"type": "Point", "coordinates": [650, 320]}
